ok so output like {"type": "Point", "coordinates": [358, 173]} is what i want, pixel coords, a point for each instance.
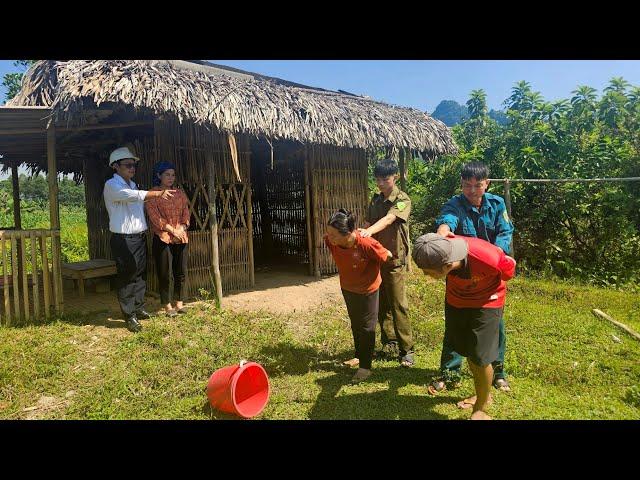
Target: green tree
{"type": "Point", "coordinates": [13, 81]}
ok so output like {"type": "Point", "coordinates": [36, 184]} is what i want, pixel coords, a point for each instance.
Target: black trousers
{"type": "Point", "coordinates": [170, 258]}
{"type": "Point", "coordinates": [130, 255]}
{"type": "Point", "coordinates": [363, 313]}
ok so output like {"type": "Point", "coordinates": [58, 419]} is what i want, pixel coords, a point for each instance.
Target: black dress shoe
{"type": "Point", "coordinates": [133, 325]}
{"type": "Point", "coordinates": [143, 314]}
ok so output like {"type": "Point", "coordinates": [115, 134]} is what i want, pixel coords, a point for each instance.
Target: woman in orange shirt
{"type": "Point", "coordinates": [358, 260]}
{"type": "Point", "coordinates": [169, 222]}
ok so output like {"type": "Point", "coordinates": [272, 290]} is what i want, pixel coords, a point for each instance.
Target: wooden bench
{"type": "Point", "coordinates": [80, 271]}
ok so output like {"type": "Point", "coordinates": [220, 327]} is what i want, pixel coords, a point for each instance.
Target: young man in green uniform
{"type": "Point", "coordinates": [386, 221]}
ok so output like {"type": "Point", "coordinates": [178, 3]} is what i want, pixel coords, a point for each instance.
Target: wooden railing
{"type": "Point", "coordinates": [30, 275]}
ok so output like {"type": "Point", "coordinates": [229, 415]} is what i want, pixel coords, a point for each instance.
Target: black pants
{"type": "Point", "coordinates": [130, 255]}
{"type": "Point", "coordinates": [363, 313]}
{"type": "Point", "coordinates": [170, 257]}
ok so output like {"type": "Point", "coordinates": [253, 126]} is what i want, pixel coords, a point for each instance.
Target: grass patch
{"type": "Point", "coordinates": [562, 361]}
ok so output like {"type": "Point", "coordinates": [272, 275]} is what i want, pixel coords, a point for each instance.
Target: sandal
{"type": "Point", "coordinates": [388, 352]}
{"type": "Point", "coordinates": [354, 362]}
{"type": "Point", "coordinates": [361, 375]}
{"type": "Point", "coordinates": [181, 310]}
{"type": "Point", "coordinates": [171, 313]}
{"type": "Point", "coordinates": [502, 384]}
{"type": "Point", "coordinates": [436, 387]}
{"type": "Point", "coordinates": [407, 360]}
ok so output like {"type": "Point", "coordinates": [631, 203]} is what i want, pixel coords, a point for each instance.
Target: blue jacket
{"type": "Point", "coordinates": [491, 222]}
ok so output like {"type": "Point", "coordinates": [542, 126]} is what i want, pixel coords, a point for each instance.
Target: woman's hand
{"type": "Point", "coordinates": [180, 233]}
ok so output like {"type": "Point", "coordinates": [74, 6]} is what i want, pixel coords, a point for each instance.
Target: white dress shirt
{"type": "Point", "coordinates": [125, 204]}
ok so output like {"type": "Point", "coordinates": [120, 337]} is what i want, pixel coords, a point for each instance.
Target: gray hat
{"type": "Point", "coordinates": [433, 251]}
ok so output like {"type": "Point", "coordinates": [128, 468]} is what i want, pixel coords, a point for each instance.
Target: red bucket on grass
{"type": "Point", "coordinates": [239, 389]}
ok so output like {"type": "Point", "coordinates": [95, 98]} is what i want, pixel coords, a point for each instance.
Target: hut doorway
{"type": "Point", "coordinates": [279, 212]}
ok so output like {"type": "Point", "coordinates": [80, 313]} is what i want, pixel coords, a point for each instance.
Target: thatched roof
{"type": "Point", "coordinates": [234, 101]}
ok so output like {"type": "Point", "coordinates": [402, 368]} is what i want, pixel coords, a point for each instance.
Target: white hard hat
{"type": "Point", "coordinates": [120, 154]}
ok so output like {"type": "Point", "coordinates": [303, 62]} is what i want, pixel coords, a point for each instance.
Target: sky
{"type": "Point", "coordinates": [422, 84]}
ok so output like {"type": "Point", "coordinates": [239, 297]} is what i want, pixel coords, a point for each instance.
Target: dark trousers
{"type": "Point", "coordinates": [451, 361]}
{"type": "Point", "coordinates": [363, 313]}
{"type": "Point", "coordinates": [170, 258]}
{"type": "Point", "coordinates": [393, 309]}
{"type": "Point", "coordinates": [130, 255]}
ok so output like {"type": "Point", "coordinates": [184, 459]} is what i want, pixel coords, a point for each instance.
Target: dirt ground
{"type": "Point", "coordinates": [278, 290]}
{"type": "Point", "coordinates": [285, 291]}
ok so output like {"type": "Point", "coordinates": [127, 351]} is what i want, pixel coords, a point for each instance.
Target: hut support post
{"type": "Point", "coordinates": [213, 222]}
{"type": "Point", "coordinates": [307, 214]}
{"type": "Point", "coordinates": [17, 218]}
{"type": "Point", "coordinates": [252, 275]}
{"type": "Point", "coordinates": [316, 251]}
{"type": "Point", "coordinates": [54, 216]}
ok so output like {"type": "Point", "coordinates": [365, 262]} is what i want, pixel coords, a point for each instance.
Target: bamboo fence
{"type": "Point", "coordinates": [31, 284]}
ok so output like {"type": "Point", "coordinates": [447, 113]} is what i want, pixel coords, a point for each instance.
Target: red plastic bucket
{"type": "Point", "coordinates": [239, 389]}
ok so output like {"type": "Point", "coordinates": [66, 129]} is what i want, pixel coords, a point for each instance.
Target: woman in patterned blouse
{"type": "Point", "coordinates": [169, 222]}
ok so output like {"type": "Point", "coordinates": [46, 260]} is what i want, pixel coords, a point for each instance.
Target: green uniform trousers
{"type": "Point", "coordinates": [393, 309]}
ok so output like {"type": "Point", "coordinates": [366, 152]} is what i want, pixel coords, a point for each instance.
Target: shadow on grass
{"type": "Point", "coordinates": [339, 400]}
{"type": "Point", "coordinates": [101, 318]}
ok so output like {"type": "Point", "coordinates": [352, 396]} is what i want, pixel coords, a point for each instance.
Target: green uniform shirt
{"type": "Point", "coordinates": [396, 236]}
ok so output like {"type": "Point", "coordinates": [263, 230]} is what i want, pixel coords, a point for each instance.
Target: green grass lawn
{"type": "Point", "coordinates": [562, 361]}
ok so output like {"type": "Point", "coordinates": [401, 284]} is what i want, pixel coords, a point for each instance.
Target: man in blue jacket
{"type": "Point", "coordinates": [474, 213]}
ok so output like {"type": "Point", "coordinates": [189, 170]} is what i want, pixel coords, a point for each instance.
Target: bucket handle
{"type": "Point", "coordinates": [243, 362]}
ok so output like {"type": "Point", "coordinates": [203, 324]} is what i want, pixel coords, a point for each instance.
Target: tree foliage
{"type": "Point", "coordinates": [585, 230]}
{"type": "Point", "coordinates": [13, 81]}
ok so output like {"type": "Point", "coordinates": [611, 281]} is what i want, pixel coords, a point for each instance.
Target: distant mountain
{"type": "Point", "coordinates": [499, 116]}
{"type": "Point", "coordinates": [452, 113]}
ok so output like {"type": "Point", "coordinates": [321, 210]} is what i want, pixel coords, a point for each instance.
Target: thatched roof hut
{"type": "Point", "coordinates": [263, 160]}
{"type": "Point", "coordinates": [231, 101]}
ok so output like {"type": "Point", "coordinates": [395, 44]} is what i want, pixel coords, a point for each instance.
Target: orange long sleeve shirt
{"type": "Point", "coordinates": [173, 211]}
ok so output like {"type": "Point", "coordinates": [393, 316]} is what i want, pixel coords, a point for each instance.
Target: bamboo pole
{"type": "Point", "coordinates": [17, 220]}
{"type": "Point", "coordinates": [316, 206]}
{"type": "Point", "coordinates": [45, 277]}
{"type": "Point", "coordinates": [52, 179]}
{"type": "Point", "coordinates": [24, 275]}
{"type": "Point", "coordinates": [601, 314]}
{"type": "Point", "coordinates": [213, 221]}
{"type": "Point", "coordinates": [34, 276]}
{"type": "Point", "coordinates": [252, 277]}
{"type": "Point", "coordinates": [7, 299]}
{"type": "Point", "coordinates": [307, 211]}
{"type": "Point", "coordinates": [14, 275]}
{"type": "Point", "coordinates": [54, 216]}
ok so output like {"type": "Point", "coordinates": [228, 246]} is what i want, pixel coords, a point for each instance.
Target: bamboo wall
{"type": "Point", "coordinates": [338, 179]}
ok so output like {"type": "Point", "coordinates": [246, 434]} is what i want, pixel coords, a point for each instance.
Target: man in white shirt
{"type": "Point", "coordinates": [125, 205]}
